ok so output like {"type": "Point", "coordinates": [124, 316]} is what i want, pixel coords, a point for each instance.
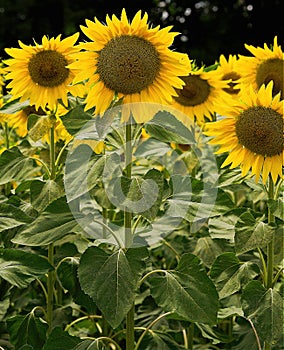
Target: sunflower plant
{"type": "Point", "coordinates": [140, 202]}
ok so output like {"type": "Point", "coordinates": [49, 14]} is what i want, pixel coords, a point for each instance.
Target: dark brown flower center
{"type": "Point", "coordinates": [272, 69]}
{"type": "Point", "coordinates": [194, 92]}
{"type": "Point", "coordinates": [260, 129]}
{"type": "Point", "coordinates": [32, 110]}
{"type": "Point", "coordinates": [48, 68]}
{"type": "Point", "coordinates": [231, 89]}
{"type": "Point", "coordinates": [128, 64]}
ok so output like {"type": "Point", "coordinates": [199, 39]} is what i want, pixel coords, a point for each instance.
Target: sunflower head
{"type": "Point", "coordinates": [40, 73]}
{"type": "Point", "coordinates": [202, 94]}
{"type": "Point", "coordinates": [253, 133]}
{"type": "Point", "coordinates": [228, 68]}
{"type": "Point", "coordinates": [266, 64]}
{"type": "Point", "coordinates": [129, 61]}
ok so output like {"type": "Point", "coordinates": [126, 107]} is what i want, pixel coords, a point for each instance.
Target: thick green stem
{"type": "Point", "coordinates": [50, 285]}
{"type": "Point", "coordinates": [52, 155]}
{"type": "Point", "coordinates": [130, 339]}
{"type": "Point", "coordinates": [270, 249]}
{"type": "Point", "coordinates": [190, 335]}
{"type": "Point", "coordinates": [128, 170]}
{"type": "Point", "coordinates": [270, 246]}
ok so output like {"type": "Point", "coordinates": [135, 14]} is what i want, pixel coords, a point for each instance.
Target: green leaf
{"type": "Point", "coordinates": [13, 106]}
{"type": "Point", "coordinates": [140, 195]}
{"type": "Point", "coordinates": [151, 148]}
{"type": "Point", "coordinates": [207, 250]}
{"type": "Point", "coordinates": [159, 341]}
{"type": "Point", "coordinates": [263, 307]}
{"type": "Point", "coordinates": [27, 330]}
{"type": "Point", "coordinates": [244, 336]}
{"type": "Point", "coordinates": [251, 233]}
{"type": "Point", "coordinates": [109, 280]}
{"type": "Point", "coordinates": [20, 268]}
{"type": "Point", "coordinates": [82, 171]}
{"type": "Point", "coordinates": [11, 217]}
{"type": "Point", "coordinates": [67, 274]}
{"type": "Point", "coordinates": [165, 127]}
{"type": "Point", "coordinates": [14, 166]}
{"type": "Point", "coordinates": [75, 119]}
{"type": "Point", "coordinates": [51, 225]}
{"type": "Point", "coordinates": [276, 207]}
{"type": "Point", "coordinates": [44, 193]}
{"type": "Point", "coordinates": [187, 291]}
{"type": "Point", "coordinates": [223, 226]}
{"type": "Point", "coordinates": [137, 261]}
{"type": "Point", "coordinates": [229, 274]}
{"type": "Point", "coordinates": [91, 345]}
{"type": "Point", "coordinates": [60, 340]}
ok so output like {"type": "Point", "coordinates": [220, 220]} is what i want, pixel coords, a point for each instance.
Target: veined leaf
{"type": "Point", "coordinates": [27, 331]}
{"type": "Point", "coordinates": [51, 225]}
{"type": "Point", "coordinates": [251, 233]}
{"type": "Point", "coordinates": [14, 166]}
{"type": "Point", "coordinates": [11, 217]}
{"type": "Point", "coordinates": [229, 274]}
{"type": "Point", "coordinates": [263, 307]}
{"type": "Point", "coordinates": [20, 268]}
{"type": "Point", "coordinates": [109, 280]}
{"type": "Point", "coordinates": [187, 291]}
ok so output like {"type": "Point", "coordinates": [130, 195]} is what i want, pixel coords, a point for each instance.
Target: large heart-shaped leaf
{"type": "Point", "coordinates": [187, 291]}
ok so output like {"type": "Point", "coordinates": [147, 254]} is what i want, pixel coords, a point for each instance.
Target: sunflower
{"type": "Point", "coordinates": [201, 95]}
{"type": "Point", "coordinates": [229, 70]}
{"type": "Point", "coordinates": [252, 134]}
{"type": "Point", "coordinates": [2, 80]}
{"type": "Point", "coordinates": [266, 65]}
{"type": "Point", "coordinates": [39, 73]}
{"type": "Point", "coordinates": [128, 61]}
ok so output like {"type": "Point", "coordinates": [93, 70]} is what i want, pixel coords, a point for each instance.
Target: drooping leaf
{"type": "Point", "coordinates": [75, 119]}
{"type": "Point", "coordinates": [229, 274]}
{"type": "Point", "coordinates": [276, 207]}
{"type": "Point", "coordinates": [165, 127]}
{"type": "Point", "coordinates": [20, 268]}
{"type": "Point", "coordinates": [187, 291]}
{"type": "Point", "coordinates": [44, 193]}
{"type": "Point", "coordinates": [11, 217]}
{"type": "Point", "coordinates": [251, 233]}
{"type": "Point", "coordinates": [13, 106]}
{"type": "Point", "coordinates": [152, 147]}
{"type": "Point", "coordinates": [26, 331]}
{"type": "Point", "coordinates": [109, 280]}
{"type": "Point", "coordinates": [51, 225]}
{"type": "Point", "coordinates": [60, 340]}
{"type": "Point", "coordinates": [223, 226]}
{"type": "Point", "coordinates": [263, 307]}
{"type": "Point", "coordinates": [14, 166]}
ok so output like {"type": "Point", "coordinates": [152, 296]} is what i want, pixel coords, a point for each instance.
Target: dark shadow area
{"type": "Point", "coordinates": [208, 28]}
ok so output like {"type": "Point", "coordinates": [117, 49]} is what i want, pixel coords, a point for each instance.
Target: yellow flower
{"type": "Point", "coordinates": [266, 65]}
{"type": "Point", "coordinates": [202, 94]}
{"type": "Point", "coordinates": [129, 61]}
{"type": "Point", "coordinates": [229, 70]}
{"type": "Point", "coordinates": [39, 73]}
{"type": "Point", "coordinates": [252, 133]}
